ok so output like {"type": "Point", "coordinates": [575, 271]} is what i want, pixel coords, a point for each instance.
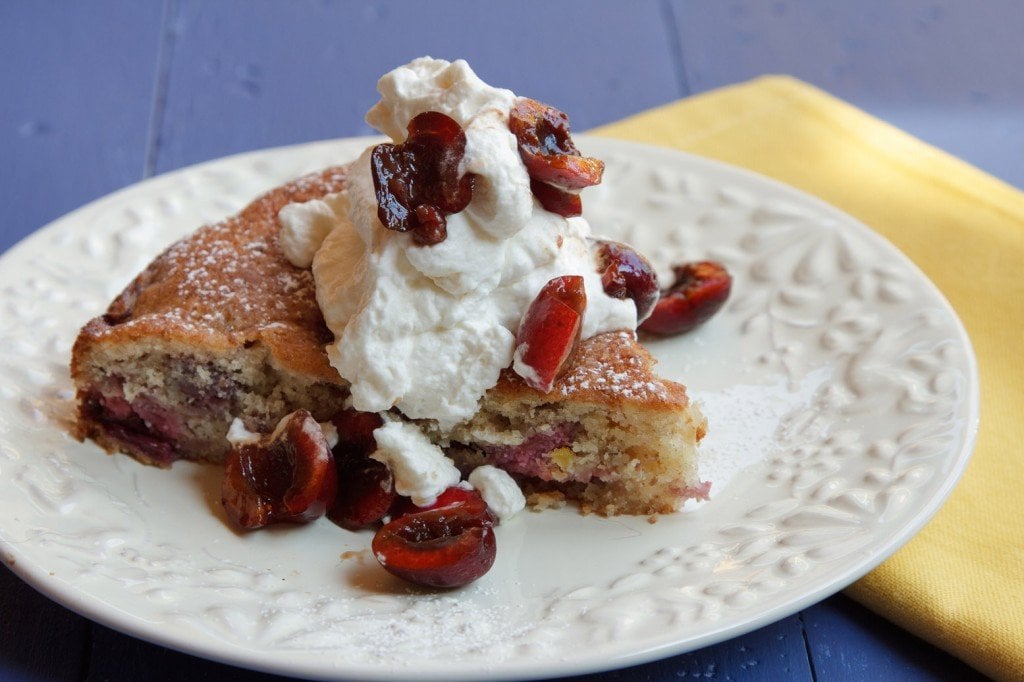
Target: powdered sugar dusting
{"type": "Point", "coordinates": [231, 277]}
{"type": "Point", "coordinates": [617, 373]}
{"type": "Point", "coordinates": [744, 423]}
{"type": "Point", "coordinates": [216, 267]}
{"type": "Point", "coordinates": [433, 622]}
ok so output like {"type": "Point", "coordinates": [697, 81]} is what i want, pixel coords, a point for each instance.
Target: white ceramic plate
{"type": "Point", "coordinates": [841, 390]}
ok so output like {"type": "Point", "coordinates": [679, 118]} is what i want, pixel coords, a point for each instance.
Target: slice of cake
{"type": "Point", "coordinates": [444, 281]}
{"type": "Point", "coordinates": [220, 325]}
{"type": "Point", "coordinates": [610, 434]}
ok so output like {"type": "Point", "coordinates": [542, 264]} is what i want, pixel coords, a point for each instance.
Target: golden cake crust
{"type": "Point", "coordinates": [226, 286]}
{"type": "Point", "coordinates": [608, 369]}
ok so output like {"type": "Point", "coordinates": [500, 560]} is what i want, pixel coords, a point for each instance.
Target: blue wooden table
{"type": "Point", "coordinates": [95, 96]}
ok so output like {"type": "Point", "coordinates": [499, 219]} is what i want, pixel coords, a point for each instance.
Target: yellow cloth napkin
{"type": "Point", "coordinates": [960, 582]}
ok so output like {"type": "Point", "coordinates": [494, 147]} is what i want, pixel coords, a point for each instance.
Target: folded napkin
{"type": "Point", "coordinates": [960, 582]}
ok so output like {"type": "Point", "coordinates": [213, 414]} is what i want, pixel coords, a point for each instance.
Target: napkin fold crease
{"type": "Point", "coordinates": [959, 583]}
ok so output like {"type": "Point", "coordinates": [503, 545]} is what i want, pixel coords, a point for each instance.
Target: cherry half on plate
{"type": "Point", "coordinates": [288, 476]}
{"type": "Point", "coordinates": [699, 291]}
{"type": "Point", "coordinates": [448, 544]}
{"type": "Point", "coordinates": [366, 487]}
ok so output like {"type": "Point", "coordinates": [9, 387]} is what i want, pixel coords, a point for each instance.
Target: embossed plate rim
{"type": "Point", "coordinates": [637, 650]}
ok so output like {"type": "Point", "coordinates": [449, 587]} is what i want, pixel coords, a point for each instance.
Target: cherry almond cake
{"type": "Point", "coordinates": [421, 342]}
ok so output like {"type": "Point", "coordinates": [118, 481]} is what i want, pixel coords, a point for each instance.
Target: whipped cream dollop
{"type": "Point", "coordinates": [499, 490]}
{"type": "Point", "coordinates": [239, 435]}
{"type": "Point", "coordinates": [428, 329]}
{"type": "Point", "coordinates": [421, 469]}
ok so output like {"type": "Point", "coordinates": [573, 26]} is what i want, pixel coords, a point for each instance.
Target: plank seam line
{"type": "Point", "coordinates": [165, 56]}
{"type": "Point", "coordinates": [807, 646]}
{"type": "Point", "coordinates": [675, 42]}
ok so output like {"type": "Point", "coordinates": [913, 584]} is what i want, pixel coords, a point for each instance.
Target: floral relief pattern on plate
{"type": "Point", "coordinates": [840, 387]}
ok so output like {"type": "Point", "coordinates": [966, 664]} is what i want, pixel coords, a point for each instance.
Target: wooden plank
{"type": "Point", "coordinates": [774, 652]}
{"type": "Point", "coordinates": [942, 71]}
{"type": "Point", "coordinates": [248, 75]}
{"type": "Point", "coordinates": [31, 626]}
{"type": "Point", "coordinates": [848, 642]}
{"type": "Point", "coordinates": [77, 84]}
{"type": "Point", "coordinates": [73, 126]}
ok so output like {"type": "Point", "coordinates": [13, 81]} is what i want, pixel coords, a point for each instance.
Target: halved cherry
{"type": "Point", "coordinates": [627, 274]}
{"type": "Point", "coordinates": [417, 182]}
{"type": "Point", "coordinates": [565, 204]}
{"type": "Point", "coordinates": [355, 431]}
{"type": "Point", "coordinates": [549, 331]}
{"type": "Point", "coordinates": [547, 149]}
{"type": "Point", "coordinates": [366, 488]}
{"type": "Point", "coordinates": [445, 547]}
{"type": "Point", "coordinates": [699, 291]}
{"type": "Point", "coordinates": [366, 493]}
{"type": "Point", "coordinates": [288, 476]}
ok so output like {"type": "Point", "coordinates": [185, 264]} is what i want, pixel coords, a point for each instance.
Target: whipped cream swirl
{"type": "Point", "coordinates": [428, 329]}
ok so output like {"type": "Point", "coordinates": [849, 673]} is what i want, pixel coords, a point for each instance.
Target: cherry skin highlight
{"type": "Point", "coordinates": [550, 330]}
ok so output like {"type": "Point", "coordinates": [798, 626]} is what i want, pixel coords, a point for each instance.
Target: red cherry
{"type": "Point", "coordinates": [551, 157]}
{"type": "Point", "coordinates": [550, 329]}
{"type": "Point", "coordinates": [366, 488]}
{"type": "Point", "coordinates": [366, 493]}
{"type": "Point", "coordinates": [446, 547]}
{"type": "Point", "coordinates": [355, 431]}
{"type": "Point", "coordinates": [431, 225]}
{"type": "Point", "coordinates": [627, 274]}
{"type": "Point", "coordinates": [547, 149]}
{"type": "Point", "coordinates": [699, 291]}
{"type": "Point", "coordinates": [551, 198]}
{"type": "Point", "coordinates": [417, 182]}
{"type": "Point", "coordinates": [288, 476]}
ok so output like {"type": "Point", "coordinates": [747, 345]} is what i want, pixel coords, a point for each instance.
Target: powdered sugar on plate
{"type": "Point", "coordinates": [745, 421]}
